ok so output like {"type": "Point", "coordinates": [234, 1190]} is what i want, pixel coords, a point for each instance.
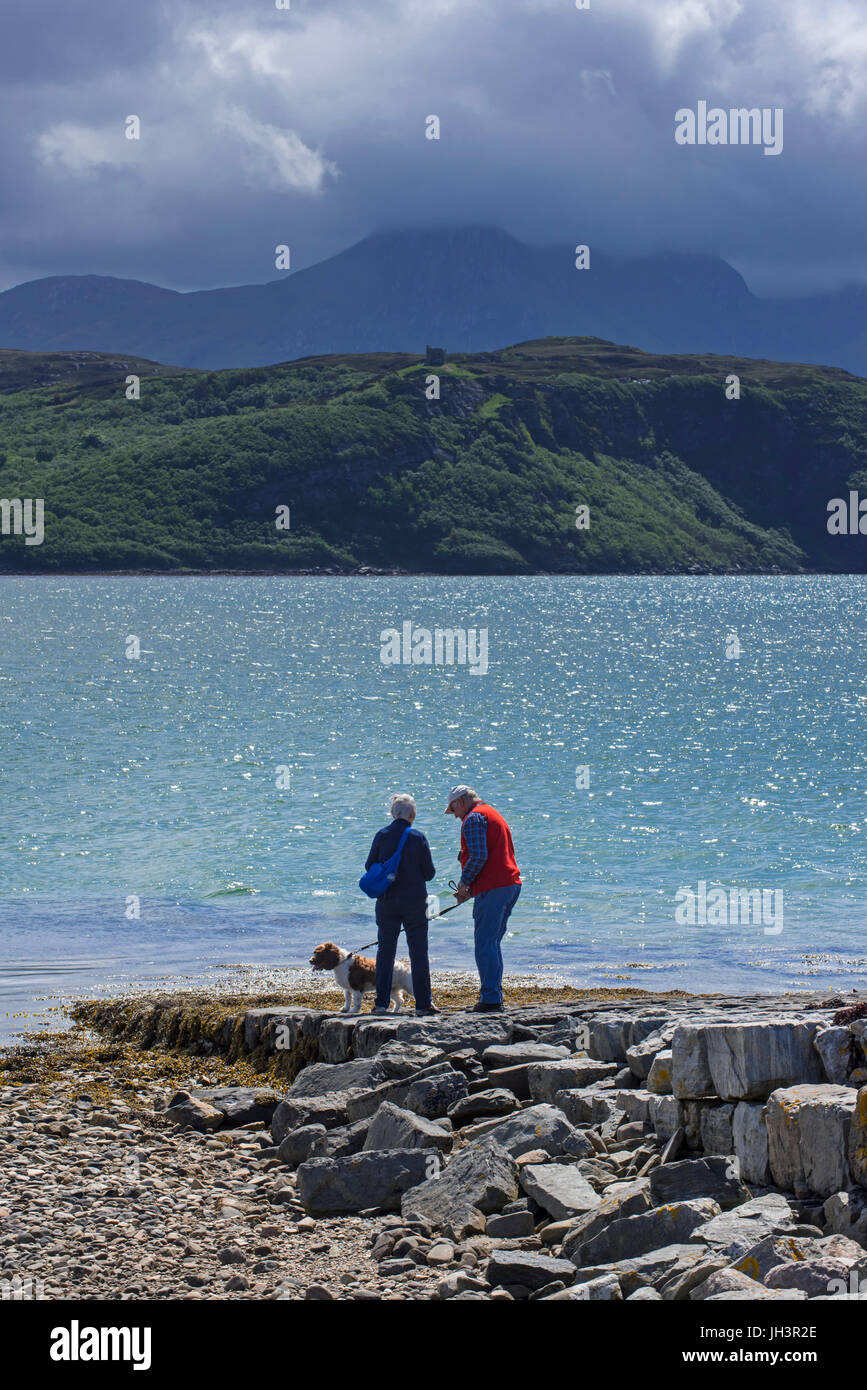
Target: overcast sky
{"type": "Point", "coordinates": [306, 126]}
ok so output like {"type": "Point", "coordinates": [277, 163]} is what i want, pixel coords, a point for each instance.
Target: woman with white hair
{"type": "Point", "coordinates": [403, 904]}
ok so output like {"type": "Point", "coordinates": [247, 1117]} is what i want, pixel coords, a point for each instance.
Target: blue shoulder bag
{"type": "Point", "coordinates": [382, 876]}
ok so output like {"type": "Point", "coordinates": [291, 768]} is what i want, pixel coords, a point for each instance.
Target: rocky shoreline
{"type": "Point", "coordinates": [638, 1147]}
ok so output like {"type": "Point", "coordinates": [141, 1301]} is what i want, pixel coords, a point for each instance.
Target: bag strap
{"type": "Point", "coordinates": [399, 850]}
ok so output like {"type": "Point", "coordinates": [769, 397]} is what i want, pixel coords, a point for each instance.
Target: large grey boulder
{"type": "Point", "coordinates": [477, 1181]}
{"type": "Point", "coordinates": [337, 1143]}
{"type": "Point", "coordinates": [808, 1137]}
{"type": "Point", "coordinates": [373, 1179]}
{"type": "Point", "coordinates": [698, 1177]}
{"type": "Point", "coordinates": [493, 1103]}
{"type": "Point", "coordinates": [393, 1128]}
{"type": "Point", "coordinates": [335, 1039]}
{"type": "Point", "coordinates": [433, 1096]}
{"type": "Point", "coordinates": [559, 1188]}
{"type": "Point", "coordinates": [185, 1109]}
{"type": "Point", "coordinates": [261, 1027]}
{"type": "Point", "coordinates": [610, 1035]}
{"type": "Point", "coordinates": [690, 1072]}
{"type": "Point", "coordinates": [241, 1105]}
{"type": "Point", "coordinates": [545, 1079]}
{"type": "Point", "coordinates": [373, 1034]}
{"type": "Point", "coordinates": [750, 1142]}
{"type": "Point", "coordinates": [537, 1127]}
{"type": "Point", "coordinates": [814, 1277]}
{"type": "Point", "coordinates": [366, 1103]}
{"type": "Point", "coordinates": [458, 1031]}
{"type": "Point", "coordinates": [522, 1053]}
{"type": "Point", "coordinates": [620, 1199]}
{"type": "Point", "coordinates": [715, 1127]}
{"type": "Point", "coordinates": [844, 1212]}
{"type": "Point", "coordinates": [666, 1116]}
{"type": "Point", "coordinates": [749, 1060]}
{"type": "Point", "coordinates": [641, 1055]}
{"type": "Point", "coordinates": [589, 1105]}
{"type": "Point", "coordinates": [647, 1271]}
{"type": "Point", "coordinates": [297, 1144]}
{"type": "Point", "coordinates": [769, 1252]}
{"type": "Point", "coordinates": [330, 1110]}
{"type": "Point", "coordinates": [321, 1078]}
{"type": "Point", "coordinates": [858, 1140]}
{"type": "Point", "coordinates": [527, 1268]}
{"type": "Point", "coordinates": [735, 1232]}
{"type": "Point", "coordinates": [635, 1104]}
{"type": "Point", "coordinates": [659, 1076]}
{"type": "Point", "coordinates": [630, 1236]}
{"type": "Point", "coordinates": [834, 1046]}
{"type": "Point", "coordinates": [731, 1284]}
{"type": "Point", "coordinates": [401, 1059]}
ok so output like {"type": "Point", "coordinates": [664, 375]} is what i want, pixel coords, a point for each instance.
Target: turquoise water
{"type": "Point", "coordinates": [157, 776]}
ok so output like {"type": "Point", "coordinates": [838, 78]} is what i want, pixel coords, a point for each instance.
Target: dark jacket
{"type": "Point", "coordinates": [416, 868]}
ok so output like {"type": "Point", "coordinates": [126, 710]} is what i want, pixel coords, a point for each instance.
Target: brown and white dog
{"type": "Point", "coordinates": [356, 976]}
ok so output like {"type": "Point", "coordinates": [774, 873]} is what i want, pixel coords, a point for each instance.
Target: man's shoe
{"type": "Point", "coordinates": [486, 1009]}
{"type": "Point", "coordinates": [379, 1013]}
{"type": "Point", "coordinates": [427, 1013]}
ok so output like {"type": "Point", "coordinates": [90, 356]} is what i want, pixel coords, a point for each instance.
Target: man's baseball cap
{"type": "Point", "coordinates": [457, 792]}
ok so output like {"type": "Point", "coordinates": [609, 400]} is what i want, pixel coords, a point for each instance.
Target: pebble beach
{"type": "Point", "coordinates": [239, 1146]}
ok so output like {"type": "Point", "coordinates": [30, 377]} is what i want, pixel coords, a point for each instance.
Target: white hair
{"type": "Point", "coordinates": [402, 806]}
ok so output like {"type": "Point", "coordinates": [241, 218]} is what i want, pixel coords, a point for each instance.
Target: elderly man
{"type": "Point", "coordinates": [491, 877]}
{"type": "Point", "coordinates": [403, 904]}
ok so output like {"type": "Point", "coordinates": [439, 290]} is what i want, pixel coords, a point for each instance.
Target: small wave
{"type": "Point", "coordinates": [232, 890]}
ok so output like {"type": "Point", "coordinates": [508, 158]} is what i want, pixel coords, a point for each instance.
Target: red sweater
{"type": "Point", "coordinates": [500, 869]}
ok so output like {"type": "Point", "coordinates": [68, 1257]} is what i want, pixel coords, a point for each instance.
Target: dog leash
{"type": "Point", "coordinates": [454, 888]}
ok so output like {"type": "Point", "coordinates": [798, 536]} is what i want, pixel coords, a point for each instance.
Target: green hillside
{"type": "Point", "coordinates": [486, 479]}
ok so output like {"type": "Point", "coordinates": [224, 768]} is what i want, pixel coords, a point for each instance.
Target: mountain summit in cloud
{"type": "Point", "coordinates": [470, 289]}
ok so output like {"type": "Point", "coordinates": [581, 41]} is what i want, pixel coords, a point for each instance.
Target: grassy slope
{"type": "Point", "coordinates": [485, 479]}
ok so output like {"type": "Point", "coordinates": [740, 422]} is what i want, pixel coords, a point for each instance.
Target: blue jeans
{"type": "Point", "coordinates": [491, 912]}
{"type": "Point", "coordinates": [390, 917]}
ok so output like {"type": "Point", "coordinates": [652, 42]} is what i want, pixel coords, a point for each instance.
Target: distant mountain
{"type": "Point", "coordinates": [469, 289]}
{"type": "Point", "coordinates": [489, 477]}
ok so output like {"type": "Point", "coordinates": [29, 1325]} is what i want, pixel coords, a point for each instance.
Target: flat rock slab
{"type": "Point", "coordinates": [620, 1199]}
{"type": "Point", "coordinates": [735, 1232]}
{"type": "Point", "coordinates": [731, 1284]}
{"type": "Point", "coordinates": [459, 1031]}
{"type": "Point", "coordinates": [372, 1179]}
{"type": "Point", "coordinates": [537, 1127]}
{"type": "Point", "coordinates": [476, 1182]}
{"type": "Point", "coordinates": [545, 1079]}
{"type": "Point", "coordinates": [559, 1188]}
{"type": "Point", "coordinates": [241, 1105]}
{"type": "Point", "coordinates": [646, 1271]}
{"type": "Point", "coordinates": [527, 1269]}
{"type": "Point", "coordinates": [698, 1177]}
{"type": "Point", "coordinates": [603, 1290]}
{"type": "Point", "coordinates": [630, 1236]}
{"type": "Point", "coordinates": [320, 1078]}
{"type": "Point", "coordinates": [521, 1053]}
{"type": "Point", "coordinates": [482, 1105]}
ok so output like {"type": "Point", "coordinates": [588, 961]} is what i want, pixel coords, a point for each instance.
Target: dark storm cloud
{"type": "Point", "coordinates": [262, 126]}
